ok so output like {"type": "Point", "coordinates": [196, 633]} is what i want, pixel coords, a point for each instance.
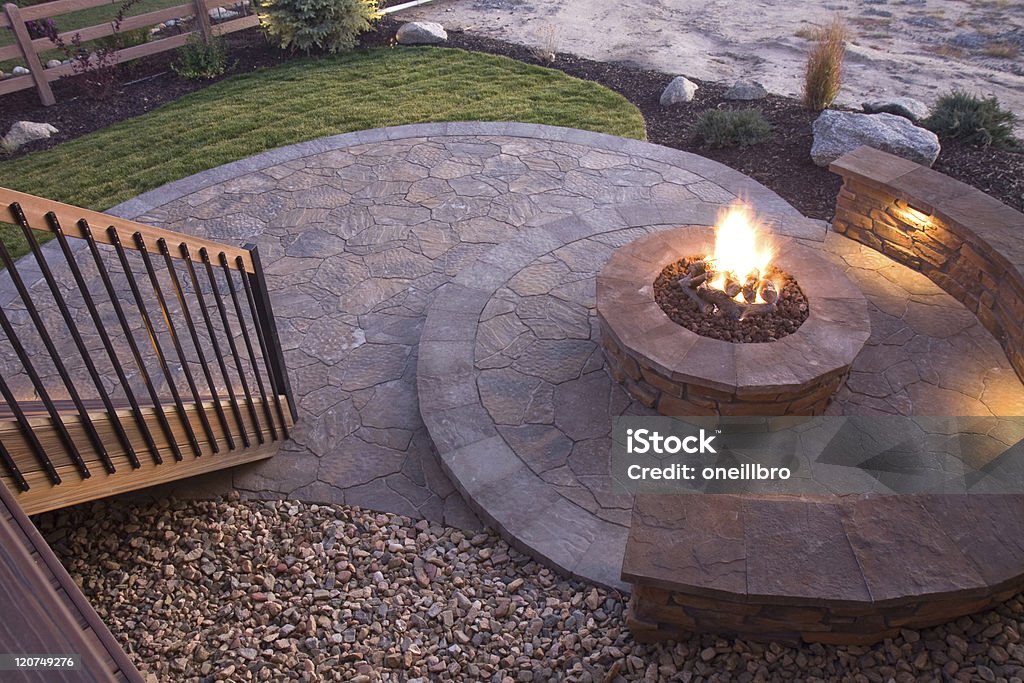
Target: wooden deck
{"type": "Point", "coordinates": [43, 495]}
{"type": "Point", "coordinates": [44, 612]}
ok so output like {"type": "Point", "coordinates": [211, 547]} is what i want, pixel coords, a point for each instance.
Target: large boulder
{"type": "Point", "coordinates": [907, 107]}
{"type": "Point", "coordinates": [839, 132]}
{"type": "Point", "coordinates": [681, 89]}
{"type": "Point", "coordinates": [421, 33]}
{"type": "Point", "coordinates": [746, 90]}
{"type": "Point", "coordinates": [27, 131]}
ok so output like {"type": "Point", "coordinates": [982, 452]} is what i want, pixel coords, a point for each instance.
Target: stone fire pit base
{"type": "Point", "coordinates": [678, 372]}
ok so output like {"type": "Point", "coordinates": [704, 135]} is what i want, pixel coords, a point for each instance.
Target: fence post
{"type": "Point", "coordinates": [203, 21]}
{"type": "Point", "coordinates": [29, 53]}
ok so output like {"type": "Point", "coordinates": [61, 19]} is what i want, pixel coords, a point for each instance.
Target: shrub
{"type": "Point", "coordinates": [330, 25]}
{"type": "Point", "coordinates": [733, 127]}
{"type": "Point", "coordinates": [41, 28]}
{"type": "Point", "coordinates": [961, 116]}
{"type": "Point", "coordinates": [97, 70]}
{"type": "Point", "coordinates": [825, 66]}
{"type": "Point", "coordinates": [123, 39]}
{"type": "Point", "coordinates": [199, 60]}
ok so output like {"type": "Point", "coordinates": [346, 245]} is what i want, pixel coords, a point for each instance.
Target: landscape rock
{"type": "Point", "coordinates": [53, 63]}
{"type": "Point", "coordinates": [681, 89]}
{"type": "Point", "coordinates": [746, 90]}
{"type": "Point", "coordinates": [421, 33]}
{"type": "Point", "coordinates": [839, 132]}
{"type": "Point", "coordinates": [27, 131]}
{"type": "Point", "coordinates": [907, 107]}
{"type": "Point", "coordinates": [19, 71]}
{"type": "Point", "coordinates": [223, 14]}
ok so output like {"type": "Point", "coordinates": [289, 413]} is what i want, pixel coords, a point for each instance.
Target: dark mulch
{"type": "Point", "coordinates": [782, 164]}
{"type": "Point", "coordinates": [789, 313]}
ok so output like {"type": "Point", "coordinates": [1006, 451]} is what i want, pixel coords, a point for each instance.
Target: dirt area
{"type": "Point", "coordinates": [914, 48]}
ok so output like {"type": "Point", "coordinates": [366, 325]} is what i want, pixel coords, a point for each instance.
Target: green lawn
{"type": "Point", "coordinates": [303, 100]}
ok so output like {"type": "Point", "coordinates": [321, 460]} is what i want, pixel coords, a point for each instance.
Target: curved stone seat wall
{"type": "Point", "coordinates": [960, 238]}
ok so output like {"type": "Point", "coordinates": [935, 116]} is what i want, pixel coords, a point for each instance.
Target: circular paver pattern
{"type": "Point", "coordinates": [516, 398]}
{"type": "Point", "coordinates": [358, 232]}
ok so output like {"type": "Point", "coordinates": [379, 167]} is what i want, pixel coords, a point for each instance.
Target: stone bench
{"type": "Point", "coordinates": [958, 237]}
{"type": "Point", "coordinates": [846, 571]}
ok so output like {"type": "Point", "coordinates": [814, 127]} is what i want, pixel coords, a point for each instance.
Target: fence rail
{"type": "Point", "coordinates": [28, 48]}
{"type": "Point", "coordinates": [134, 352]}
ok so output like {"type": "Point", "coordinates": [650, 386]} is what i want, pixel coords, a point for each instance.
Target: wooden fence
{"type": "Point", "coordinates": [28, 48]}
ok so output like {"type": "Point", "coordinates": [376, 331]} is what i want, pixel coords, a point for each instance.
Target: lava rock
{"type": "Point", "coordinates": [746, 90]}
{"type": "Point", "coordinates": [421, 33]}
{"type": "Point", "coordinates": [907, 107]}
{"type": "Point", "coordinates": [680, 90]}
{"type": "Point", "coordinates": [839, 132]}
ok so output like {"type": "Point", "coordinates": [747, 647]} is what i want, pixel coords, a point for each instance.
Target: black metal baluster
{"type": "Point", "coordinates": [76, 271]}
{"type": "Point", "coordinates": [270, 344]}
{"type": "Point", "coordinates": [132, 345]}
{"type": "Point", "coordinates": [219, 409]}
{"type": "Point", "coordinates": [205, 255]}
{"type": "Point", "coordinates": [62, 306]}
{"type": "Point", "coordinates": [29, 434]}
{"type": "Point", "coordinates": [44, 396]}
{"type": "Point", "coordinates": [122, 256]}
{"type": "Point", "coordinates": [58, 364]}
{"type": "Point", "coordinates": [12, 468]}
{"type": "Point", "coordinates": [140, 243]}
{"type": "Point", "coordinates": [232, 399]}
{"type": "Point", "coordinates": [248, 344]}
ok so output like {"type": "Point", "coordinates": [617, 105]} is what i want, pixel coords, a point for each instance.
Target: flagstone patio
{"type": "Point", "coordinates": [434, 285]}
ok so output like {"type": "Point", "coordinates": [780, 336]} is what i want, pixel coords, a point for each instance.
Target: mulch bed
{"type": "Point", "coordinates": [790, 311]}
{"type": "Point", "coordinates": [782, 164]}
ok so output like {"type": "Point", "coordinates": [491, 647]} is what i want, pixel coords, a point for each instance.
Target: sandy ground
{"type": "Point", "coordinates": [915, 48]}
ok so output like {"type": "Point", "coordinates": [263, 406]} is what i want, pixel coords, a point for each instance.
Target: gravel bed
{"type": "Point", "coordinates": [274, 591]}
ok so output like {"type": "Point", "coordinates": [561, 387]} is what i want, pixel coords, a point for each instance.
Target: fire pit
{"type": "Point", "coordinates": [728, 320]}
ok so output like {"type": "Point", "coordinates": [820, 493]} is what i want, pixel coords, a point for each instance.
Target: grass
{"type": "Point", "coordinates": [303, 100]}
{"type": "Point", "coordinates": [823, 75]}
{"type": "Point", "coordinates": [1002, 50]}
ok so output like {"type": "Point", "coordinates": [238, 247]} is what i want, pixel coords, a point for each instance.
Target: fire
{"type": "Point", "coordinates": [743, 250]}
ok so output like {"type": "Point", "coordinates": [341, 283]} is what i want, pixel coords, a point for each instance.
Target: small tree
{"type": "Point", "coordinates": [330, 25]}
{"type": "Point", "coordinates": [825, 66]}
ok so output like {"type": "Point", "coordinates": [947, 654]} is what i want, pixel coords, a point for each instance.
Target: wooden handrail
{"type": "Point", "coordinates": [36, 209]}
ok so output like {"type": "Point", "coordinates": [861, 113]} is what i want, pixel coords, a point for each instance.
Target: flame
{"type": "Point", "coordinates": [742, 246]}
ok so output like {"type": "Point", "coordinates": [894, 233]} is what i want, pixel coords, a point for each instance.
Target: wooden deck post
{"type": "Point", "coordinates": [31, 58]}
{"type": "Point", "coordinates": [203, 21]}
